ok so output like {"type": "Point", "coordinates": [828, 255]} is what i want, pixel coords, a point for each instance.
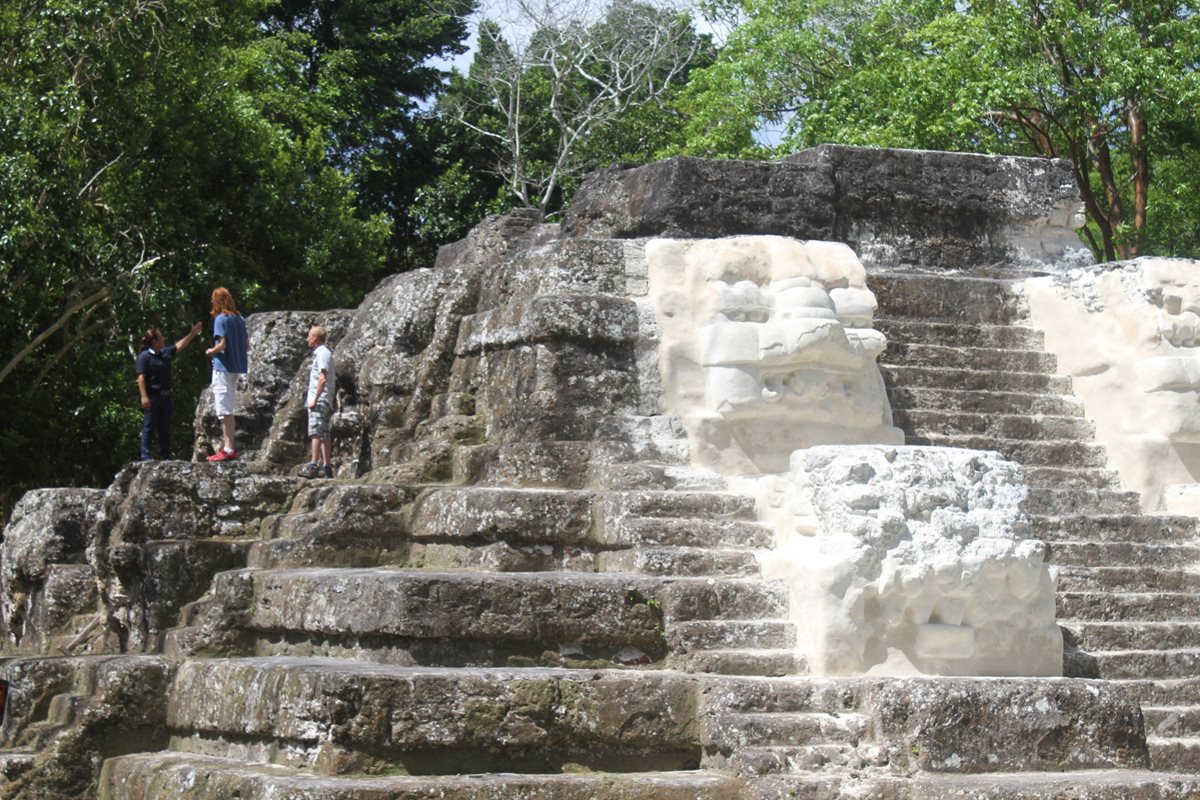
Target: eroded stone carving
{"type": "Point", "coordinates": [1129, 336]}
{"type": "Point", "coordinates": [766, 347]}
{"type": "Point", "coordinates": [912, 559]}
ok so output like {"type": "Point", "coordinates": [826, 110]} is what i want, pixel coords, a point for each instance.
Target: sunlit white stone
{"type": "Point", "coordinates": [1127, 336]}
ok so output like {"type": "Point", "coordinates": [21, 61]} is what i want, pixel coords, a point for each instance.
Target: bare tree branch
{"type": "Point", "coordinates": [70, 311]}
{"type": "Point", "coordinates": [590, 69]}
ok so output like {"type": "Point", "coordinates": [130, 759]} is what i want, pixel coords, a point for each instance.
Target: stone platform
{"type": "Point", "coordinates": [522, 583]}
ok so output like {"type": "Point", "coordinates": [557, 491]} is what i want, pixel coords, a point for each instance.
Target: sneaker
{"type": "Point", "coordinates": [327, 470]}
{"type": "Point", "coordinates": [222, 455]}
{"type": "Point", "coordinates": [310, 470]}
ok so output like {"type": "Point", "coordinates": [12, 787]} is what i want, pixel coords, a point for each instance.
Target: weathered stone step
{"type": "Point", "coordinates": [765, 662]}
{"type": "Point", "coordinates": [828, 695]}
{"type": "Point", "coordinates": [435, 720]}
{"type": "Point", "coordinates": [12, 764]}
{"type": "Point", "coordinates": [691, 599]}
{"type": "Point", "coordinates": [172, 775]}
{"type": "Point", "coordinates": [943, 298]}
{"type": "Point", "coordinates": [63, 685]}
{"type": "Point", "coordinates": [467, 618]}
{"type": "Point", "coordinates": [775, 759]}
{"type": "Point", "coordinates": [336, 524]}
{"type": "Point", "coordinates": [668, 560]}
{"type": "Point", "coordinates": [86, 634]}
{"type": "Point", "coordinates": [1072, 578]}
{"type": "Point", "coordinates": [959, 357]}
{"type": "Point", "coordinates": [956, 334]}
{"type": "Point", "coordinates": [1172, 721]}
{"type": "Point", "coordinates": [1160, 663]}
{"type": "Point", "coordinates": [1140, 528]}
{"type": "Point", "coordinates": [1005, 426]}
{"type": "Point", "coordinates": [656, 440]}
{"type": "Point", "coordinates": [499, 557]}
{"type": "Point", "coordinates": [1175, 754]}
{"type": "Point", "coordinates": [337, 716]}
{"type": "Point", "coordinates": [503, 529]}
{"type": "Point", "coordinates": [1053, 500]}
{"type": "Point", "coordinates": [1058, 453]}
{"type": "Point", "coordinates": [666, 477]}
{"type": "Point", "coordinates": [1165, 691]}
{"type": "Point", "coordinates": [700, 505]}
{"type": "Point", "coordinates": [981, 401]}
{"type": "Point", "coordinates": [717, 533]}
{"type": "Point", "coordinates": [1089, 784]}
{"type": "Point", "coordinates": [732, 635]}
{"type": "Point", "coordinates": [1094, 636]}
{"type": "Point", "coordinates": [974, 380]}
{"type": "Point", "coordinates": [781, 729]}
{"type": "Point", "coordinates": [1132, 606]}
{"type": "Point", "coordinates": [517, 516]}
{"type": "Point", "coordinates": [1070, 477]}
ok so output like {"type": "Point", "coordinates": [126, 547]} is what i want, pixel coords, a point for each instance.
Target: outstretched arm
{"type": "Point", "coordinates": [187, 339]}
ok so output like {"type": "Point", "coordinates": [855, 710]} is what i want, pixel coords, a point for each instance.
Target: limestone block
{"type": "Point", "coordinates": [596, 615]}
{"type": "Point", "coordinates": [894, 208]}
{"type": "Point", "coordinates": [337, 716]}
{"type": "Point", "coordinates": [515, 516]}
{"type": "Point", "coordinates": [1012, 724]}
{"type": "Point", "coordinates": [337, 524]}
{"type": "Point", "coordinates": [912, 560]}
{"type": "Point", "coordinates": [1127, 335]}
{"type": "Point", "coordinates": [766, 347]}
{"type": "Point", "coordinates": [592, 318]}
{"type": "Point", "coordinates": [166, 527]}
{"type": "Point", "coordinates": [555, 268]}
{"type": "Point", "coordinates": [49, 528]}
{"type": "Point", "coordinates": [101, 723]}
{"type": "Point", "coordinates": [554, 391]}
{"type": "Point", "coordinates": [191, 777]}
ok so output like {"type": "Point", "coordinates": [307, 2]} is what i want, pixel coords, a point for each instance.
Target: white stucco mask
{"type": "Point", "coordinates": [767, 347]}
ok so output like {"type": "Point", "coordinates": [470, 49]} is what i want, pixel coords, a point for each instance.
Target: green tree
{"type": "Point", "coordinates": [362, 71]}
{"type": "Point", "coordinates": [149, 151]}
{"type": "Point", "coordinates": [1107, 84]}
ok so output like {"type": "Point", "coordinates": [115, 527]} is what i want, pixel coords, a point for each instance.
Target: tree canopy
{"type": "Point", "coordinates": [297, 150]}
{"type": "Point", "coordinates": [1111, 85]}
{"type": "Point", "coordinates": [151, 151]}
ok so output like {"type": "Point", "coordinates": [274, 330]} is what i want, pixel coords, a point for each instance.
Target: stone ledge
{"type": "Point", "coordinates": [895, 208]}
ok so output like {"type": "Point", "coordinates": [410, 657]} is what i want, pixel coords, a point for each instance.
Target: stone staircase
{"type": "Point", "coordinates": [506, 642]}
{"type": "Point", "coordinates": [973, 374]}
{"type": "Point", "coordinates": [518, 587]}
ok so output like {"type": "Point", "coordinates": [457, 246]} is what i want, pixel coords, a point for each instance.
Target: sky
{"type": "Point", "coordinates": [516, 18]}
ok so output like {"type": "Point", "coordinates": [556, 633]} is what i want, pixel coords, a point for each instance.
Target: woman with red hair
{"type": "Point", "coordinates": [230, 354]}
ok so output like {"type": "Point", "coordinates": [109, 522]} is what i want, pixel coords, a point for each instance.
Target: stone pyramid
{"type": "Point", "coordinates": [568, 555]}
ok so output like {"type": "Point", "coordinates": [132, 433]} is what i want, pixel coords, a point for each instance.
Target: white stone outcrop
{"type": "Point", "coordinates": [900, 559]}
{"type": "Point", "coordinates": [1128, 335]}
{"type": "Point", "coordinates": [767, 346]}
{"type": "Point", "coordinates": [906, 560]}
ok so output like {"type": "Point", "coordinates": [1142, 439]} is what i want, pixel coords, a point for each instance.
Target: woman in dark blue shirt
{"type": "Point", "coordinates": [154, 383]}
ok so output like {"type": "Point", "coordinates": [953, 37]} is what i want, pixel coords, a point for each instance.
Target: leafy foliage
{"type": "Point", "coordinates": [1107, 84]}
{"type": "Point", "coordinates": [359, 70]}
{"type": "Point", "coordinates": [151, 151]}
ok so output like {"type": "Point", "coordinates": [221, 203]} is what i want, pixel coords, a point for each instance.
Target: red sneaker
{"type": "Point", "coordinates": [222, 455]}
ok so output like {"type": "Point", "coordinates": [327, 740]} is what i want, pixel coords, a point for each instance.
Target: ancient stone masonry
{"type": "Point", "coordinates": [740, 484]}
{"type": "Point", "coordinates": [1126, 333]}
